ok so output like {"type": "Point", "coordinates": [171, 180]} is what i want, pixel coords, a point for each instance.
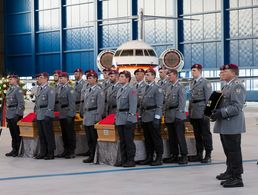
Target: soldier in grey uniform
{"type": "Point", "coordinates": [112, 92]}
{"type": "Point", "coordinates": [151, 113]}
{"type": "Point", "coordinates": [79, 83]}
{"type": "Point", "coordinates": [14, 112]}
{"type": "Point", "coordinates": [162, 82]}
{"type": "Point", "coordinates": [67, 110]}
{"type": "Point", "coordinates": [230, 124]}
{"type": "Point", "coordinates": [105, 85]}
{"type": "Point", "coordinates": [126, 119]}
{"type": "Point", "coordinates": [92, 111]}
{"type": "Point", "coordinates": [175, 101]}
{"type": "Point", "coordinates": [200, 91]}
{"type": "Point", "coordinates": [44, 108]}
{"type": "Point", "coordinates": [139, 85]}
{"type": "Point", "coordinates": [56, 86]}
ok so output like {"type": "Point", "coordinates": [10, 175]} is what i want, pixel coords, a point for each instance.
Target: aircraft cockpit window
{"type": "Point", "coordinates": [118, 53]}
{"type": "Point", "coordinates": [146, 53]}
{"type": "Point", "coordinates": [138, 52]}
{"type": "Point", "coordinates": [151, 52]}
{"type": "Point", "coordinates": [127, 52]}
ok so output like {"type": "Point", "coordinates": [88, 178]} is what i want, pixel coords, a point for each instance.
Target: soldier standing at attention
{"type": "Point", "coordinates": [230, 124]}
{"type": "Point", "coordinates": [66, 98]}
{"type": "Point", "coordinates": [105, 85]}
{"type": "Point", "coordinates": [79, 83]}
{"type": "Point", "coordinates": [56, 86]}
{"type": "Point", "coordinates": [200, 91]}
{"type": "Point", "coordinates": [139, 85]}
{"type": "Point", "coordinates": [112, 92]}
{"type": "Point", "coordinates": [126, 119]}
{"type": "Point", "coordinates": [151, 113]}
{"type": "Point", "coordinates": [14, 112]}
{"type": "Point", "coordinates": [175, 101]}
{"type": "Point", "coordinates": [163, 78]}
{"type": "Point", "coordinates": [44, 107]}
{"type": "Point", "coordinates": [92, 111]}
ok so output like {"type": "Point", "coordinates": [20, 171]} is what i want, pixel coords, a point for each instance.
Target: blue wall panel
{"type": "Point", "coordinates": [48, 63]}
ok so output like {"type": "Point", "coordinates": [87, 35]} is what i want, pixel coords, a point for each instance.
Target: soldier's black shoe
{"type": "Point", "coordinates": [13, 153]}
{"type": "Point", "coordinates": [147, 161]}
{"type": "Point", "coordinates": [173, 159]}
{"type": "Point", "coordinates": [88, 160]}
{"type": "Point", "coordinates": [70, 155]}
{"type": "Point", "coordinates": [129, 164]}
{"type": "Point", "coordinates": [183, 160]}
{"type": "Point", "coordinates": [223, 176]}
{"type": "Point", "coordinates": [49, 157]}
{"type": "Point", "coordinates": [62, 155]}
{"type": "Point", "coordinates": [233, 182]}
{"type": "Point", "coordinates": [157, 162]}
{"type": "Point", "coordinates": [196, 158]}
{"type": "Point", "coordinates": [207, 159]}
{"type": "Point", "coordinates": [118, 164]}
{"type": "Point", "coordinates": [40, 156]}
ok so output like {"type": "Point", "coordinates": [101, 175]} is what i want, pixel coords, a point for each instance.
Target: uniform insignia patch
{"type": "Point", "coordinates": [52, 91]}
{"type": "Point", "coordinates": [160, 90]}
{"type": "Point", "coordinates": [238, 90]}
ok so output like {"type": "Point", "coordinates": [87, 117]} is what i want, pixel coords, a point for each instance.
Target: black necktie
{"type": "Point", "coordinates": [76, 83]}
{"type": "Point", "coordinates": [137, 86]}
{"type": "Point", "coordinates": [89, 90]}
{"type": "Point", "coordinates": [195, 82]}
{"type": "Point", "coordinates": [113, 87]}
{"type": "Point", "coordinates": [147, 87]}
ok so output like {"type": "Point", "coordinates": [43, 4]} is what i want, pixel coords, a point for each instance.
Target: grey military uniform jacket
{"type": "Point", "coordinates": [66, 98]}
{"type": "Point", "coordinates": [78, 88]}
{"type": "Point", "coordinates": [14, 102]}
{"type": "Point", "coordinates": [140, 87]}
{"type": "Point", "coordinates": [231, 106]}
{"type": "Point", "coordinates": [152, 103]}
{"type": "Point", "coordinates": [175, 101]}
{"type": "Point", "coordinates": [126, 105]}
{"type": "Point", "coordinates": [111, 98]}
{"type": "Point", "coordinates": [57, 88]}
{"type": "Point", "coordinates": [199, 96]}
{"type": "Point", "coordinates": [45, 102]}
{"type": "Point", "coordinates": [93, 105]}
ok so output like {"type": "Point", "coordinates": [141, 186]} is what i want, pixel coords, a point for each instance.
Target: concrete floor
{"type": "Point", "coordinates": [28, 176]}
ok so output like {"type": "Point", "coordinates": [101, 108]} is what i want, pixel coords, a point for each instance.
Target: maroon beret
{"type": "Point", "coordinates": [106, 69]}
{"type": "Point", "coordinates": [126, 73]}
{"type": "Point", "coordinates": [64, 74]}
{"type": "Point", "coordinates": [198, 66]}
{"type": "Point", "coordinates": [78, 70]}
{"type": "Point", "coordinates": [151, 70]}
{"type": "Point", "coordinates": [57, 72]}
{"type": "Point", "coordinates": [113, 72]}
{"type": "Point", "coordinates": [44, 74]}
{"type": "Point", "coordinates": [91, 73]}
{"type": "Point", "coordinates": [229, 66]}
{"type": "Point", "coordinates": [139, 70]}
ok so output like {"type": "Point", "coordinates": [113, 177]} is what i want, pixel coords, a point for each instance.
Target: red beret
{"type": "Point", "coordinates": [229, 66]}
{"type": "Point", "coordinates": [13, 76]}
{"type": "Point", "coordinates": [126, 73]}
{"type": "Point", "coordinates": [64, 74]}
{"type": "Point", "coordinates": [151, 70]}
{"type": "Point", "coordinates": [113, 72]}
{"type": "Point", "coordinates": [78, 70]}
{"type": "Point", "coordinates": [88, 71]}
{"type": "Point", "coordinates": [91, 73]}
{"type": "Point", "coordinates": [44, 74]}
{"type": "Point", "coordinates": [198, 66]}
{"type": "Point", "coordinates": [139, 70]}
{"type": "Point", "coordinates": [106, 69]}
{"type": "Point", "coordinates": [57, 72]}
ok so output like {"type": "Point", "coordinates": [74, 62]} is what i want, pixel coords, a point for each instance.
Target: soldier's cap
{"type": "Point", "coordinates": [113, 72]}
{"type": "Point", "coordinates": [139, 70]}
{"type": "Point", "coordinates": [172, 71]}
{"type": "Point", "coordinates": [78, 70]}
{"type": "Point", "coordinates": [150, 70]}
{"type": "Point", "coordinates": [198, 66]}
{"type": "Point", "coordinates": [229, 66]}
{"type": "Point", "coordinates": [58, 72]}
{"type": "Point", "coordinates": [126, 73]}
{"type": "Point", "coordinates": [64, 74]}
{"type": "Point", "coordinates": [12, 76]}
{"type": "Point", "coordinates": [91, 73]}
{"type": "Point", "coordinates": [44, 74]}
{"type": "Point", "coordinates": [106, 69]}
{"type": "Point", "coordinates": [87, 71]}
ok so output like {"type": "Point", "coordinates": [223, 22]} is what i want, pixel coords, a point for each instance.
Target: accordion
{"type": "Point", "coordinates": [213, 103]}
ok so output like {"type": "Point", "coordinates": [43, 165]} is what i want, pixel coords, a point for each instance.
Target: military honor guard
{"type": "Point", "coordinates": [67, 110]}
{"type": "Point", "coordinates": [56, 85]}
{"type": "Point", "coordinates": [140, 85]}
{"type": "Point", "coordinates": [105, 85]}
{"type": "Point", "coordinates": [126, 119]}
{"type": "Point", "coordinates": [230, 124]}
{"type": "Point", "coordinates": [150, 114]}
{"type": "Point", "coordinates": [163, 79]}
{"type": "Point", "coordinates": [92, 111]}
{"type": "Point", "coordinates": [14, 112]}
{"type": "Point", "coordinates": [200, 91]}
{"type": "Point", "coordinates": [79, 83]}
{"type": "Point", "coordinates": [112, 92]}
{"type": "Point", "coordinates": [44, 108]}
{"type": "Point", "coordinates": [175, 101]}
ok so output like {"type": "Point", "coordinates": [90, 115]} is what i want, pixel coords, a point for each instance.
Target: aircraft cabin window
{"type": "Point", "coordinates": [128, 52]}
{"type": "Point", "coordinates": [138, 52]}
{"type": "Point", "coordinates": [118, 53]}
{"type": "Point", "coordinates": [151, 52]}
{"type": "Point", "coordinates": [146, 53]}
